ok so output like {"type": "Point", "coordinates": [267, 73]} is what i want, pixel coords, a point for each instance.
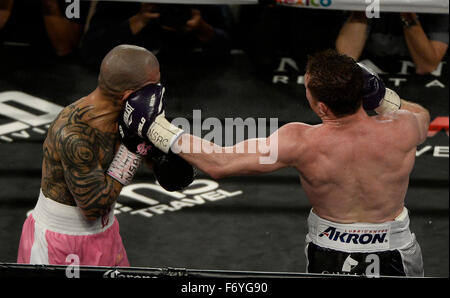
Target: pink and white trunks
{"type": "Point", "coordinates": [55, 233]}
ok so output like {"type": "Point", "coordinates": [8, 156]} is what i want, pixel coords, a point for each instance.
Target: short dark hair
{"type": "Point", "coordinates": [336, 80]}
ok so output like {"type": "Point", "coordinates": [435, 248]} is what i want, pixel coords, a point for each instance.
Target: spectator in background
{"type": "Point", "coordinates": [165, 29]}
{"type": "Point", "coordinates": [42, 24]}
{"type": "Point", "coordinates": [424, 38]}
{"type": "Point", "coordinates": [5, 11]}
{"type": "Point", "coordinates": [269, 32]}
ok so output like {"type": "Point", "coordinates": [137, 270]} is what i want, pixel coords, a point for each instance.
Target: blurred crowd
{"type": "Point", "coordinates": [89, 29]}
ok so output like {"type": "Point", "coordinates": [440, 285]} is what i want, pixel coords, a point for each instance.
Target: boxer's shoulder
{"type": "Point", "coordinates": [294, 138]}
{"type": "Point", "coordinates": [398, 129]}
{"type": "Point", "coordinates": [70, 116]}
{"type": "Point", "coordinates": [72, 133]}
{"type": "Point", "coordinates": [75, 121]}
{"type": "Point", "coordinates": [401, 121]}
{"type": "Point", "coordinates": [395, 117]}
{"type": "Point", "coordinates": [306, 134]}
{"type": "Point", "coordinates": [296, 129]}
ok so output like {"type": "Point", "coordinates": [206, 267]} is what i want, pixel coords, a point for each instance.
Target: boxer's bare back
{"type": "Point", "coordinates": [352, 170]}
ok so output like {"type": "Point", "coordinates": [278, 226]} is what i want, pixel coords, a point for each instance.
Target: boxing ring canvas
{"type": "Point", "coordinates": [240, 223]}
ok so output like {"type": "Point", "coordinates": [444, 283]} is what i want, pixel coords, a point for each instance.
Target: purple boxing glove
{"type": "Point", "coordinates": [144, 116]}
{"type": "Point", "coordinates": [141, 109]}
{"type": "Point", "coordinates": [373, 89]}
{"type": "Point", "coordinates": [171, 171]}
{"type": "Point", "coordinates": [375, 94]}
{"type": "Point", "coordinates": [132, 141]}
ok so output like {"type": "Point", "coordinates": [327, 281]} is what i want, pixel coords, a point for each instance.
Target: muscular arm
{"type": "Point", "coordinates": [140, 20]}
{"type": "Point", "coordinates": [413, 121]}
{"type": "Point", "coordinates": [93, 191]}
{"type": "Point", "coordinates": [5, 11]}
{"type": "Point", "coordinates": [353, 35]}
{"type": "Point", "coordinates": [426, 53]}
{"type": "Point", "coordinates": [421, 119]}
{"type": "Point", "coordinates": [253, 156]}
{"type": "Point", "coordinates": [63, 34]}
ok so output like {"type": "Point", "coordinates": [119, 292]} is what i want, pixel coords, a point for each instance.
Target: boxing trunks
{"type": "Point", "coordinates": [59, 234]}
{"type": "Point", "coordinates": [385, 249]}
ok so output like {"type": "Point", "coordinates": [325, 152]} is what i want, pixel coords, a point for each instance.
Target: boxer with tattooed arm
{"type": "Point", "coordinates": [86, 162]}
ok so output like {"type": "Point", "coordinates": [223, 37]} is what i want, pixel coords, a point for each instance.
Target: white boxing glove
{"type": "Point", "coordinates": [390, 103]}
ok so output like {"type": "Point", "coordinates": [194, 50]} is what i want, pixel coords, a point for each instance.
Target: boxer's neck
{"type": "Point", "coordinates": [105, 110]}
{"type": "Point", "coordinates": [334, 121]}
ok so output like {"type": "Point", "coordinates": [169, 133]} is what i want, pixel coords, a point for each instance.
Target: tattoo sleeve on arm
{"type": "Point", "coordinates": [84, 152]}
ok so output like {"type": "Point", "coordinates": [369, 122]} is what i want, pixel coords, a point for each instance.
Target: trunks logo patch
{"type": "Point", "coordinates": [360, 237]}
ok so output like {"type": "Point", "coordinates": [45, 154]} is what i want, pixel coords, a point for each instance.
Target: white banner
{"type": "Point", "coordinates": [193, 1]}
{"type": "Point", "coordinates": [422, 6]}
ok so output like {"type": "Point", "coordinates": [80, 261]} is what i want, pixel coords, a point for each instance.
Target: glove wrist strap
{"type": "Point", "coordinates": [390, 103]}
{"type": "Point", "coordinates": [124, 165]}
{"type": "Point", "coordinates": [163, 134]}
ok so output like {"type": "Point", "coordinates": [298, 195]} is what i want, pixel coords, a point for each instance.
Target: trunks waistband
{"type": "Point", "coordinates": [360, 237]}
{"type": "Point", "coordinates": [65, 219]}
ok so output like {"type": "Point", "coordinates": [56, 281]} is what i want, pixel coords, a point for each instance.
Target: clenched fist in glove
{"type": "Point", "coordinates": [141, 109]}
{"type": "Point", "coordinates": [375, 94]}
{"type": "Point", "coordinates": [144, 115]}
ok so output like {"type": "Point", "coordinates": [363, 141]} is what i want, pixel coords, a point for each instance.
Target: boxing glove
{"type": "Point", "coordinates": [132, 141]}
{"type": "Point", "coordinates": [375, 94]}
{"type": "Point", "coordinates": [124, 165]}
{"type": "Point", "coordinates": [144, 116]}
{"type": "Point", "coordinates": [171, 171]}
{"type": "Point", "coordinates": [142, 107]}
{"type": "Point", "coordinates": [128, 158]}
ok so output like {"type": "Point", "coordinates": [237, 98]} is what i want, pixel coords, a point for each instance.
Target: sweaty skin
{"type": "Point", "coordinates": [355, 172]}
{"type": "Point", "coordinates": [352, 169]}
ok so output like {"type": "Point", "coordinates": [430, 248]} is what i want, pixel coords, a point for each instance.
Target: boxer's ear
{"type": "Point", "coordinates": [323, 109]}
